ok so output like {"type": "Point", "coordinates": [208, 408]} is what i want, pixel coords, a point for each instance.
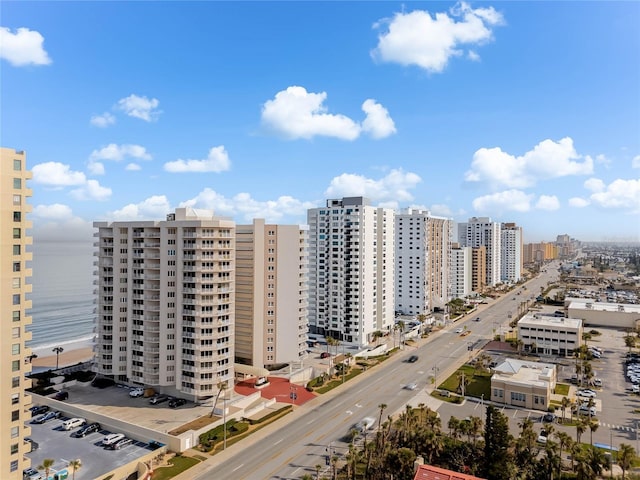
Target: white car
{"type": "Point", "coordinates": [411, 386]}
{"type": "Point", "coordinates": [136, 392]}
{"type": "Point", "coordinates": [459, 330]}
{"type": "Point", "coordinates": [586, 393]}
{"type": "Point", "coordinates": [73, 423]}
{"type": "Point", "coordinates": [365, 424]}
{"type": "Point", "coordinates": [112, 438]}
{"type": "Point", "coordinates": [586, 410]}
{"type": "Point", "coordinates": [542, 438]}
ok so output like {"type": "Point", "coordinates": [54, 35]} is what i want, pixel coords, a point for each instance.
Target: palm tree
{"type": "Point", "coordinates": [318, 467]}
{"type": "Point", "coordinates": [581, 427]}
{"type": "Point", "coordinates": [75, 465]}
{"type": "Point", "coordinates": [593, 426]}
{"type": "Point", "coordinates": [57, 351]}
{"type": "Point", "coordinates": [563, 406]}
{"type": "Point", "coordinates": [626, 454]}
{"type": "Point", "coordinates": [46, 465]}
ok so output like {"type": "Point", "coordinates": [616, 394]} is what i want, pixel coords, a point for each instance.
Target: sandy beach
{"type": "Point", "coordinates": [47, 359]}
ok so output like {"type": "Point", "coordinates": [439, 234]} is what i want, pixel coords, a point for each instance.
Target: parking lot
{"type": "Point", "coordinates": [61, 446]}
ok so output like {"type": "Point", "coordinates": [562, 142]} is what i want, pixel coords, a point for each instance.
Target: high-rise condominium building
{"type": "Point", "coordinates": [539, 252]}
{"type": "Point", "coordinates": [272, 293]}
{"type": "Point", "coordinates": [351, 269]}
{"type": "Point", "coordinates": [511, 253]}
{"type": "Point", "coordinates": [166, 302]}
{"type": "Point", "coordinates": [478, 269]}
{"type": "Point", "coordinates": [461, 271]}
{"type": "Point", "coordinates": [423, 262]}
{"type": "Point", "coordinates": [482, 232]}
{"type": "Point", "coordinates": [14, 272]}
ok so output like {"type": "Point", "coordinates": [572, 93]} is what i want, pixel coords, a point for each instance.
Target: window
{"type": "Point", "coordinates": [15, 332]}
{"type": "Point", "coordinates": [16, 249]}
{"type": "Point", "coordinates": [15, 431]}
{"type": "Point", "coordinates": [16, 233]}
{"type": "Point", "coordinates": [15, 383]}
{"type": "Point", "coordinates": [16, 299]}
{"type": "Point", "coordinates": [15, 398]}
{"type": "Point", "coordinates": [15, 349]}
{"type": "Point", "coordinates": [17, 216]}
{"type": "Point", "coordinates": [16, 266]}
{"type": "Point", "coordinates": [16, 315]}
{"type": "Point", "coordinates": [518, 397]}
{"type": "Point", "coordinates": [17, 165]}
{"type": "Point", "coordinates": [15, 282]}
{"type": "Point", "coordinates": [15, 365]}
{"type": "Point", "coordinates": [15, 415]}
{"type": "Point", "coordinates": [14, 465]}
{"type": "Point", "coordinates": [17, 200]}
{"type": "Point", "coordinates": [14, 448]}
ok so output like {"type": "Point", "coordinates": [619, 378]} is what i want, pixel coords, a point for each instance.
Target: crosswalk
{"type": "Point", "coordinates": [622, 428]}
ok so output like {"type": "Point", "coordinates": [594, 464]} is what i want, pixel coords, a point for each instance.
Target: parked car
{"type": "Point", "coordinates": [112, 438]}
{"type": "Point", "coordinates": [635, 388]}
{"type": "Point", "coordinates": [177, 402]}
{"type": "Point", "coordinates": [33, 444]}
{"type": "Point", "coordinates": [549, 417]}
{"type": "Point", "coordinates": [87, 429]}
{"type": "Point", "coordinates": [136, 392]}
{"type": "Point", "coordinates": [123, 442]}
{"type": "Point", "coordinates": [73, 423]}
{"type": "Point", "coordinates": [32, 474]}
{"type": "Point", "coordinates": [38, 409]}
{"type": "Point", "coordinates": [61, 395]}
{"type": "Point", "coordinates": [459, 330]}
{"type": "Point", "coordinates": [597, 382]}
{"type": "Point", "coordinates": [412, 359]}
{"type": "Point", "coordinates": [156, 399]}
{"type": "Point", "coordinates": [542, 438]}
{"type": "Point", "coordinates": [45, 417]}
{"type": "Point", "coordinates": [325, 355]}
{"type": "Point", "coordinates": [587, 410]}
{"type": "Point", "coordinates": [586, 393]}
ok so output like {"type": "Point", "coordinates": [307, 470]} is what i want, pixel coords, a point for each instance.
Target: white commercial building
{"type": "Point", "coordinates": [351, 270]}
{"type": "Point", "coordinates": [166, 302]}
{"type": "Point", "coordinates": [461, 271]}
{"type": "Point", "coordinates": [423, 262]}
{"type": "Point", "coordinates": [511, 253]}
{"type": "Point", "coordinates": [482, 232]}
{"type": "Point", "coordinates": [271, 293]}
{"type": "Point", "coordinates": [604, 314]}
{"type": "Point", "coordinates": [549, 334]}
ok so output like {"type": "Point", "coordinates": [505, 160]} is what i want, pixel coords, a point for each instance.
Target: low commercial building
{"type": "Point", "coordinates": [523, 384]}
{"type": "Point", "coordinates": [604, 314]}
{"type": "Point", "coordinates": [549, 334]}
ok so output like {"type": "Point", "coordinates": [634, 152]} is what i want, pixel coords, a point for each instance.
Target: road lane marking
{"type": "Point", "coordinates": [310, 422]}
{"type": "Point", "coordinates": [279, 441]}
{"type": "Point", "coordinates": [238, 467]}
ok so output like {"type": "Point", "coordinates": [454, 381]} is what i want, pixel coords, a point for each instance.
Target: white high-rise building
{"type": "Point", "coordinates": [423, 262]}
{"type": "Point", "coordinates": [15, 271]}
{"type": "Point", "coordinates": [511, 253]}
{"type": "Point", "coordinates": [166, 302]}
{"type": "Point", "coordinates": [351, 270]}
{"type": "Point", "coordinates": [461, 271]}
{"type": "Point", "coordinates": [482, 232]}
{"type": "Point", "coordinates": [271, 293]}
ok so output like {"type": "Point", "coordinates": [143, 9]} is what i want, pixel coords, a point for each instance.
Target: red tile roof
{"type": "Point", "coordinates": [428, 472]}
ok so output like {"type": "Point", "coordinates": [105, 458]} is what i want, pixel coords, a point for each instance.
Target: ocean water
{"type": "Point", "coordinates": [62, 294]}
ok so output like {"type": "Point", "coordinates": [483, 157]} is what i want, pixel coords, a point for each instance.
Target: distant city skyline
{"type": "Point", "coordinates": [521, 112]}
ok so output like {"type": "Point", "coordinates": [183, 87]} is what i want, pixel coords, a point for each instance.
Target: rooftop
{"type": "Point", "coordinates": [589, 304]}
{"type": "Point", "coordinates": [532, 373]}
{"type": "Point", "coordinates": [542, 319]}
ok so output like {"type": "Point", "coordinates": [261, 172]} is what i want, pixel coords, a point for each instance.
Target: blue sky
{"type": "Point", "coordinates": [520, 111]}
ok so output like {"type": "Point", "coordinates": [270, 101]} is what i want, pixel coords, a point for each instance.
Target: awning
{"type": "Point", "coordinates": [250, 370]}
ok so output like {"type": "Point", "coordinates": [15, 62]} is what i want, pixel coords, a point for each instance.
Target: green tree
{"type": "Point", "coordinates": [46, 465]}
{"type": "Point", "coordinates": [497, 440]}
{"type": "Point", "coordinates": [566, 403]}
{"type": "Point", "coordinates": [593, 426]}
{"type": "Point", "coordinates": [564, 441]}
{"type": "Point", "coordinates": [74, 465]}
{"type": "Point", "coordinates": [626, 455]}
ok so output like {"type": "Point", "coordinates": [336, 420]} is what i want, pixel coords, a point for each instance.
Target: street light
{"type": "Point", "coordinates": [435, 376]}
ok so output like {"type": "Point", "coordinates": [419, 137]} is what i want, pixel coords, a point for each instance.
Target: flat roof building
{"type": "Point", "coordinates": [604, 314]}
{"type": "Point", "coordinates": [549, 334]}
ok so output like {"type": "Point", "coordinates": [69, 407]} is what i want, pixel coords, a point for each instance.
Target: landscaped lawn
{"type": "Point", "coordinates": [178, 465]}
{"type": "Point", "coordinates": [480, 382]}
{"type": "Point", "coordinates": [562, 389]}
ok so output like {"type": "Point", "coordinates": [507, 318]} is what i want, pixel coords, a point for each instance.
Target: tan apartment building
{"type": "Point", "coordinates": [166, 301]}
{"type": "Point", "coordinates": [550, 335]}
{"type": "Point", "coordinates": [539, 252]}
{"type": "Point", "coordinates": [523, 384]}
{"type": "Point", "coordinates": [14, 272]}
{"type": "Point", "coordinates": [478, 269]}
{"type": "Point", "coordinates": [271, 309]}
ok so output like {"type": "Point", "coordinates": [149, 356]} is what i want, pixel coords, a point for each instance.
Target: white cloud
{"type": "Point", "coordinates": [56, 211]}
{"type": "Point", "coordinates": [622, 194]}
{"type": "Point", "coordinates": [473, 56]}
{"type": "Point", "coordinates": [55, 174]}
{"type": "Point", "coordinates": [151, 208]}
{"type": "Point", "coordinates": [216, 161]}
{"type": "Point", "coordinates": [295, 113]}
{"type": "Point", "coordinates": [547, 160]}
{"type": "Point", "coordinates": [594, 185]}
{"type": "Point", "coordinates": [509, 200]}
{"type": "Point", "coordinates": [429, 42]}
{"type": "Point", "coordinates": [394, 187]}
{"type": "Point", "coordinates": [139, 107]}
{"type": "Point", "coordinates": [91, 190]}
{"type": "Point", "coordinates": [133, 167]}
{"type": "Point", "coordinates": [378, 123]}
{"type": "Point", "coordinates": [548, 202]}
{"type": "Point", "coordinates": [103, 120]}
{"type": "Point", "coordinates": [578, 202]}
{"type": "Point", "coordinates": [95, 168]}
{"type": "Point", "coordinates": [635, 163]}
{"type": "Point", "coordinates": [25, 47]}
{"type": "Point", "coordinates": [120, 152]}
{"type": "Point", "coordinates": [603, 159]}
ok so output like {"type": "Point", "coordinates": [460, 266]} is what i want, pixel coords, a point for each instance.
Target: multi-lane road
{"type": "Point", "coordinates": [318, 428]}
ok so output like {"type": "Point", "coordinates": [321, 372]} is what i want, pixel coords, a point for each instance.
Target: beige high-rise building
{"type": "Point", "coordinates": [478, 269]}
{"type": "Point", "coordinates": [14, 272]}
{"type": "Point", "coordinates": [166, 302]}
{"type": "Point", "coordinates": [271, 293]}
